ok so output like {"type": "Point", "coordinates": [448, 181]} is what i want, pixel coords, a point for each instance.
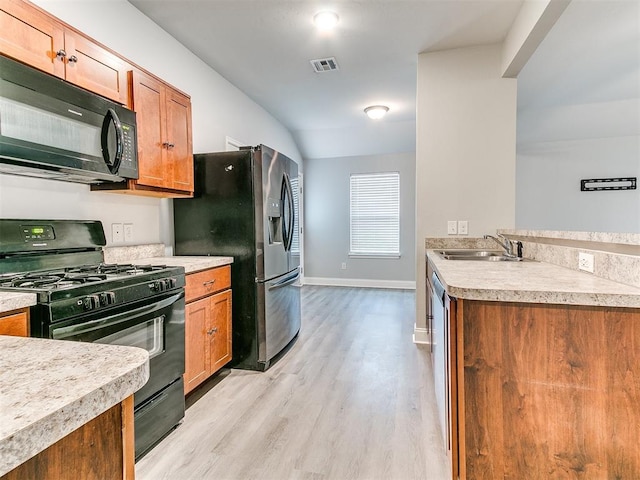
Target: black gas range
{"type": "Point", "coordinates": [81, 298]}
{"type": "Point", "coordinates": [67, 292]}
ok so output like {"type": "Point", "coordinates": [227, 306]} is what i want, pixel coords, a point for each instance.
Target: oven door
{"type": "Point", "coordinates": [157, 327]}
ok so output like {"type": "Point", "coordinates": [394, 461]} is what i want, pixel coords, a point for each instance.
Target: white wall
{"type": "Point", "coordinates": [579, 118]}
{"type": "Point", "coordinates": [219, 109]}
{"type": "Point", "coordinates": [327, 222]}
{"type": "Point", "coordinates": [465, 156]}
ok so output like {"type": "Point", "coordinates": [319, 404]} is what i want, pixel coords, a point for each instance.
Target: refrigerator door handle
{"type": "Point", "coordinates": [289, 279]}
{"type": "Point", "coordinates": [291, 212]}
{"type": "Point", "coordinates": [283, 196]}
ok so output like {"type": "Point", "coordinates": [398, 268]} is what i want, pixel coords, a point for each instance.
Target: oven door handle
{"type": "Point", "coordinates": [112, 320]}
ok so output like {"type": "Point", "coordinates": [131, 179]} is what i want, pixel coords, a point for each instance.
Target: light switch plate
{"type": "Point", "coordinates": [452, 227]}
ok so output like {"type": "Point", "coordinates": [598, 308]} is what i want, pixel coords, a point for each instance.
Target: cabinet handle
{"type": "Point", "coordinates": [61, 54]}
{"type": "Point", "coordinates": [73, 59]}
{"type": "Point", "coordinates": [212, 331]}
{"type": "Point", "coordinates": [168, 145]}
{"type": "Point", "coordinates": [210, 282]}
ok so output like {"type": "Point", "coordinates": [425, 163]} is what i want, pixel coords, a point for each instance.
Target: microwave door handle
{"type": "Point", "coordinates": [111, 118]}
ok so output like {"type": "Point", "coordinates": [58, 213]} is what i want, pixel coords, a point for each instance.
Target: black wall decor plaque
{"type": "Point", "coordinates": [599, 184]}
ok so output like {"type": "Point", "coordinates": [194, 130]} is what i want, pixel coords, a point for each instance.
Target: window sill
{"type": "Point", "coordinates": [374, 255]}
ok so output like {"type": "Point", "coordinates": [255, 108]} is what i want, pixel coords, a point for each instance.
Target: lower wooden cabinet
{"type": "Point", "coordinates": [207, 325]}
{"type": "Point", "coordinates": [15, 323]}
{"type": "Point", "coordinates": [101, 449]}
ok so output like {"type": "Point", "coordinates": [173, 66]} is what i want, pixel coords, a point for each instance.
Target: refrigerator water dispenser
{"type": "Point", "coordinates": [274, 216]}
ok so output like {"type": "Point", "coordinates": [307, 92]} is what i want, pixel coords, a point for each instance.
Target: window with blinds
{"type": "Point", "coordinates": [375, 214]}
{"type": "Point", "coordinates": [295, 243]}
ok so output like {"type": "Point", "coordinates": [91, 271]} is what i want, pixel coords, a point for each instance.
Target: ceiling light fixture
{"type": "Point", "coordinates": [376, 111]}
{"type": "Point", "coordinates": [325, 20]}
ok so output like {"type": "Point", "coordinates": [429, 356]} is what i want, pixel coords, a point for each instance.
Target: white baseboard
{"type": "Point", "coordinates": [360, 282]}
{"type": "Point", "coordinates": [421, 335]}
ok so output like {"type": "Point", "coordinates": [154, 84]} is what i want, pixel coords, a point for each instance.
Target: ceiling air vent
{"type": "Point", "coordinates": [324, 64]}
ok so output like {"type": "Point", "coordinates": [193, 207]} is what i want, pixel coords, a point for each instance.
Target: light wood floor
{"type": "Point", "coordinates": [352, 399]}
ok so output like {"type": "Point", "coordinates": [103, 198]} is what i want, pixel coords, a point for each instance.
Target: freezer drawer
{"type": "Point", "coordinates": [281, 321]}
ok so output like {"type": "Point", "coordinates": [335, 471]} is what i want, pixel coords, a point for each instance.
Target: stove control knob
{"type": "Point", "coordinates": [157, 286]}
{"type": "Point", "coordinates": [172, 282]}
{"type": "Point", "coordinates": [104, 299]}
{"type": "Point", "coordinates": [111, 298]}
{"type": "Point", "coordinates": [91, 302]}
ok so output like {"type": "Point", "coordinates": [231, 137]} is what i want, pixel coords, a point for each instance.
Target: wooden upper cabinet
{"type": "Point", "coordinates": [165, 152]}
{"type": "Point", "coordinates": [179, 146]}
{"type": "Point", "coordinates": [148, 102]}
{"type": "Point", "coordinates": [30, 36]}
{"type": "Point", "coordinates": [92, 67]}
{"type": "Point", "coordinates": [37, 39]}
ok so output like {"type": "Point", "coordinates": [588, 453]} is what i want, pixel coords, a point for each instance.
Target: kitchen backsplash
{"type": "Point", "coordinates": [616, 255]}
{"type": "Point", "coordinates": [133, 252]}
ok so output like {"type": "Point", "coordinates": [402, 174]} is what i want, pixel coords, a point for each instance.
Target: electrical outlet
{"type": "Point", "coordinates": [116, 233]}
{"type": "Point", "coordinates": [128, 232]}
{"type": "Point", "coordinates": [452, 227]}
{"type": "Point", "coordinates": [585, 262]}
{"type": "Point", "coordinates": [463, 227]}
{"type": "Point", "coordinates": [343, 266]}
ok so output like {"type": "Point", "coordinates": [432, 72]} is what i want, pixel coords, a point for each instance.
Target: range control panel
{"type": "Point", "coordinates": [33, 233]}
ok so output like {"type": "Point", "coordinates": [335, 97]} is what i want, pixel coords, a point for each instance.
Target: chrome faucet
{"type": "Point", "coordinates": [504, 242]}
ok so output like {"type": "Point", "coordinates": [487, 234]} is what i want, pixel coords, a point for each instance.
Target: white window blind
{"type": "Point", "coordinates": [295, 243]}
{"type": "Point", "coordinates": [375, 214]}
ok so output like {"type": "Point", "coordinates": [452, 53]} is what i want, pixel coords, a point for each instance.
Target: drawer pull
{"type": "Point", "coordinates": [210, 282]}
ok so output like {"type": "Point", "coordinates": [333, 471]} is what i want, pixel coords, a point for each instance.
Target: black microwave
{"type": "Point", "coordinates": [52, 129]}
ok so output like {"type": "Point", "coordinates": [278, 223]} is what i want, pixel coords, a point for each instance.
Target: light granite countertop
{"type": "Point", "coordinates": [49, 388]}
{"type": "Point", "coordinates": [530, 282]}
{"type": "Point", "coordinates": [190, 264]}
{"type": "Point", "coordinates": [14, 300]}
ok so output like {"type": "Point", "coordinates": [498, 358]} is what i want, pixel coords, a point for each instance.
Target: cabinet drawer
{"type": "Point", "coordinates": [15, 323]}
{"type": "Point", "coordinates": [207, 282]}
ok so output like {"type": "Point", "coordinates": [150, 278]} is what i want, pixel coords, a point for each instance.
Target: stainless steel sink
{"type": "Point", "coordinates": [477, 255]}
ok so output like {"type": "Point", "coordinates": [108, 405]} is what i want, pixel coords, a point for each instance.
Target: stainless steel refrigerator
{"type": "Point", "coordinates": [243, 207]}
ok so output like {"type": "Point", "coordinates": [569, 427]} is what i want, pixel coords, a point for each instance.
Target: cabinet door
{"type": "Point", "coordinates": [90, 66]}
{"type": "Point", "coordinates": [196, 343]}
{"type": "Point", "coordinates": [15, 324]}
{"type": "Point", "coordinates": [178, 143]}
{"type": "Point", "coordinates": [148, 103]}
{"type": "Point", "coordinates": [30, 36]}
{"type": "Point", "coordinates": [220, 331]}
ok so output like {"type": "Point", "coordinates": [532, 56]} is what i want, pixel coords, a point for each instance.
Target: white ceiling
{"type": "Point", "coordinates": [592, 54]}
{"type": "Point", "coordinates": [264, 47]}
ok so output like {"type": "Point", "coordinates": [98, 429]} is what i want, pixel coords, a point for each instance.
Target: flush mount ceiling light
{"type": "Point", "coordinates": [376, 111]}
{"type": "Point", "coordinates": [326, 20]}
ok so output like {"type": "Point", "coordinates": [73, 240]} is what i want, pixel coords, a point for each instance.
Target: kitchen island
{"type": "Point", "coordinates": [542, 371]}
{"type": "Point", "coordinates": [66, 408]}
